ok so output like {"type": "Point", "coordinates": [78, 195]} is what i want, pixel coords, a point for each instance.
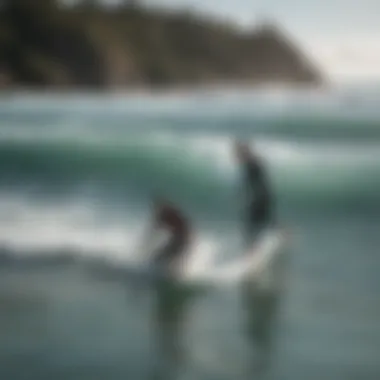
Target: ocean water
{"type": "Point", "coordinates": [77, 175]}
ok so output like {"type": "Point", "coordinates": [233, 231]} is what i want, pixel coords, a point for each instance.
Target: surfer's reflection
{"type": "Point", "coordinates": [261, 298]}
{"type": "Point", "coordinates": [260, 310]}
{"type": "Point", "coordinates": [172, 304]}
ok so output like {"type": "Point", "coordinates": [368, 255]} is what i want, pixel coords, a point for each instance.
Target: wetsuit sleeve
{"type": "Point", "coordinates": [253, 179]}
{"type": "Point", "coordinates": [256, 182]}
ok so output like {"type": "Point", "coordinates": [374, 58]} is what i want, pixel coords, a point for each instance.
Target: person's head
{"type": "Point", "coordinates": [242, 151]}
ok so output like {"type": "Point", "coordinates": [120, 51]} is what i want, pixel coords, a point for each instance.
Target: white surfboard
{"type": "Point", "coordinates": [249, 265]}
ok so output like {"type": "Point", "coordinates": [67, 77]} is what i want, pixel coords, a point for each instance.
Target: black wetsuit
{"type": "Point", "coordinates": [176, 223]}
{"type": "Point", "coordinates": [259, 202]}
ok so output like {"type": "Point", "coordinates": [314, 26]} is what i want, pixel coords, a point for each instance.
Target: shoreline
{"type": "Point", "coordinates": [243, 87]}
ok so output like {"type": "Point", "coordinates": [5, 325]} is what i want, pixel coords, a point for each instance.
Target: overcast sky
{"type": "Point", "coordinates": [343, 36]}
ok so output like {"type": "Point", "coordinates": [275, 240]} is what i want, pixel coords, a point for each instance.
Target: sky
{"type": "Point", "coordinates": [341, 36]}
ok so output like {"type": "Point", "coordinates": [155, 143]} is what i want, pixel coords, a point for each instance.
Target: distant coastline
{"type": "Point", "coordinates": [138, 49]}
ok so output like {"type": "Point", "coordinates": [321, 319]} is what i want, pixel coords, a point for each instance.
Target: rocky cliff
{"type": "Point", "coordinates": [46, 45]}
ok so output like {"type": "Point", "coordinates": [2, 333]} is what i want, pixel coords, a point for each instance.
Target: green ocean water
{"type": "Point", "coordinates": [77, 174]}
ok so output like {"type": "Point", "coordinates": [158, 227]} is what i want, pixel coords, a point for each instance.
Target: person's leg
{"type": "Point", "coordinates": [257, 220]}
{"type": "Point", "coordinates": [252, 233]}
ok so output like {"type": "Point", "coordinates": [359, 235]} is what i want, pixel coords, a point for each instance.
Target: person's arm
{"type": "Point", "coordinates": [251, 182]}
{"type": "Point", "coordinates": [256, 176]}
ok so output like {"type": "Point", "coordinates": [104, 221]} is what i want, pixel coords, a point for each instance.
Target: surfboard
{"type": "Point", "coordinates": [249, 265]}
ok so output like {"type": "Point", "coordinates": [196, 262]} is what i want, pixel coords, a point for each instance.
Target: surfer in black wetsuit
{"type": "Point", "coordinates": [172, 219]}
{"type": "Point", "coordinates": [258, 198]}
